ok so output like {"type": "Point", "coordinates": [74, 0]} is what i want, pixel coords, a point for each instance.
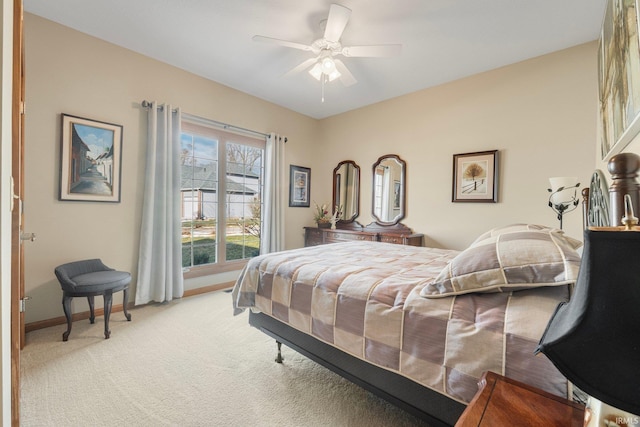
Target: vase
{"type": "Point", "coordinates": [323, 224]}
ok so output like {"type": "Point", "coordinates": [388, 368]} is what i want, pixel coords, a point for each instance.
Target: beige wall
{"type": "Point", "coordinates": [69, 72]}
{"type": "Point", "coordinates": [539, 113]}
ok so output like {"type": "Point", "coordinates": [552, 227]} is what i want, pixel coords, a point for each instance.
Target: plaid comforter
{"type": "Point", "coordinates": [364, 298]}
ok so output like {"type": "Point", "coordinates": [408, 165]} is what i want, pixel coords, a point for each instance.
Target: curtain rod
{"type": "Point", "coordinates": [147, 104]}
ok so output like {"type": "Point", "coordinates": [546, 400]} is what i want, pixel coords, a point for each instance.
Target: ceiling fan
{"type": "Point", "coordinates": [324, 66]}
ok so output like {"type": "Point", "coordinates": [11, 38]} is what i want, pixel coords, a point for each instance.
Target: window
{"type": "Point", "coordinates": [219, 233]}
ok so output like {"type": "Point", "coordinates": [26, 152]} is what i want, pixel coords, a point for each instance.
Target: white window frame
{"type": "Point", "coordinates": [201, 127]}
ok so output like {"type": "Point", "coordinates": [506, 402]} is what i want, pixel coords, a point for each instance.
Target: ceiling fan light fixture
{"type": "Point", "coordinates": [318, 71]}
{"type": "Point", "coordinates": [328, 66]}
{"type": "Point", "coordinates": [334, 75]}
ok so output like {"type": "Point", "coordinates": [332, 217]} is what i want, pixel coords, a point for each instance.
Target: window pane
{"type": "Point", "coordinates": [199, 188]}
{"type": "Point", "coordinates": [244, 201]}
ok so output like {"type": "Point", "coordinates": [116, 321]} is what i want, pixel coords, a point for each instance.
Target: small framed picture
{"type": "Point", "coordinates": [299, 186]}
{"type": "Point", "coordinates": [90, 160]}
{"type": "Point", "coordinates": [475, 177]}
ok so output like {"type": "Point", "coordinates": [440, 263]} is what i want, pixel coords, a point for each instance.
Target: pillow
{"type": "Point", "coordinates": [525, 227]}
{"type": "Point", "coordinates": [514, 258]}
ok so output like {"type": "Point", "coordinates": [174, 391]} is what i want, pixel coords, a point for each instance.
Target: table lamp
{"type": "Point", "coordinates": [594, 339]}
{"type": "Point", "coordinates": [564, 195]}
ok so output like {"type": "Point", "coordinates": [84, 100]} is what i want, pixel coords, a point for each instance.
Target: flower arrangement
{"type": "Point", "coordinates": [321, 214]}
{"type": "Point", "coordinates": [323, 218]}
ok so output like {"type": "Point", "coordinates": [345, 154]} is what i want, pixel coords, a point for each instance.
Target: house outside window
{"type": "Point", "coordinates": [219, 233]}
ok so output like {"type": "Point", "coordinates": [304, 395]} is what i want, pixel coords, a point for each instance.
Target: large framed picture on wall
{"type": "Point", "coordinates": [618, 77]}
{"type": "Point", "coordinates": [90, 160]}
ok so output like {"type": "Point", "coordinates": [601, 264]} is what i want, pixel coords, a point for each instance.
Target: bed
{"type": "Point", "coordinates": [418, 326]}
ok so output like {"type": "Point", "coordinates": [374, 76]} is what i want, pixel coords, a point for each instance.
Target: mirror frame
{"type": "Point", "coordinates": [357, 186]}
{"type": "Point", "coordinates": [403, 190]}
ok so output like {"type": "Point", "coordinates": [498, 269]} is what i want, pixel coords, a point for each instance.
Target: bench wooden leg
{"type": "Point", "coordinates": [108, 301]}
{"type": "Point", "coordinates": [92, 312]}
{"type": "Point", "coordinates": [125, 300]}
{"type": "Point", "coordinates": [66, 306]}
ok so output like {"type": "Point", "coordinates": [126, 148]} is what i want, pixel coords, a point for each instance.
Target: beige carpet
{"type": "Point", "coordinates": [186, 363]}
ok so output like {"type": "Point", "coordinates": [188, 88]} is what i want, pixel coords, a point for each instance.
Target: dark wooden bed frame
{"type": "Point", "coordinates": [422, 402]}
{"type": "Point", "coordinates": [418, 400]}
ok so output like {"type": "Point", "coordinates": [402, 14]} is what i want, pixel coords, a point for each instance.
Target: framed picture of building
{"type": "Point", "coordinates": [90, 160]}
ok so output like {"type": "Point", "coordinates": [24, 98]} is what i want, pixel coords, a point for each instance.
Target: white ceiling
{"type": "Point", "coordinates": [443, 40]}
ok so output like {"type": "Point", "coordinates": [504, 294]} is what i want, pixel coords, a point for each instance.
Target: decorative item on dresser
{"type": "Point", "coordinates": [399, 234]}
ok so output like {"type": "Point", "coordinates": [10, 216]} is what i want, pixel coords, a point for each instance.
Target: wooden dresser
{"type": "Point", "coordinates": [398, 234]}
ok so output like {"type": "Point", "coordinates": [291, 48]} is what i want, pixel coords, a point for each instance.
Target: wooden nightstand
{"type": "Point", "coordinates": [504, 402]}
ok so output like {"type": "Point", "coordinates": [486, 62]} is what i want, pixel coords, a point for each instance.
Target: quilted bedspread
{"type": "Point", "coordinates": [364, 298]}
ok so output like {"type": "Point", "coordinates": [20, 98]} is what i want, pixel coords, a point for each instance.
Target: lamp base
{"type": "Point", "coordinates": [599, 414]}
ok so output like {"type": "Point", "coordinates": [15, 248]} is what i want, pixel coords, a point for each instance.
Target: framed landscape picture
{"type": "Point", "coordinates": [299, 186]}
{"type": "Point", "coordinates": [475, 177]}
{"type": "Point", "coordinates": [90, 160]}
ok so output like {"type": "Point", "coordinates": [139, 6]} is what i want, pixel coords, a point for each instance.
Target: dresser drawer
{"type": "Point", "coordinates": [334, 236]}
{"type": "Point", "coordinates": [313, 236]}
{"type": "Point", "coordinates": [402, 239]}
{"type": "Point", "coordinates": [390, 238]}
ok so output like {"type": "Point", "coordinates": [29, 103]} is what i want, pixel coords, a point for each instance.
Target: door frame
{"type": "Point", "coordinates": [17, 223]}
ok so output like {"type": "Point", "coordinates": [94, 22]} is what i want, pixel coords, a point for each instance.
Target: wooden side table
{"type": "Point", "coordinates": [502, 401]}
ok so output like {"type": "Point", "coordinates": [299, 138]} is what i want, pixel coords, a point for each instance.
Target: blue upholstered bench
{"type": "Point", "coordinates": [89, 278]}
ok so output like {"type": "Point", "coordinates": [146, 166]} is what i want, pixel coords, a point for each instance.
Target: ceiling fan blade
{"type": "Point", "coordinates": [337, 20]}
{"type": "Point", "coordinates": [279, 42]}
{"type": "Point", "coordinates": [379, 51]}
{"type": "Point", "coordinates": [346, 77]}
{"type": "Point", "coordinates": [303, 66]}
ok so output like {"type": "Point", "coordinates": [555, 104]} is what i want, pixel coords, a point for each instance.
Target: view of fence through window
{"type": "Point", "coordinates": [215, 229]}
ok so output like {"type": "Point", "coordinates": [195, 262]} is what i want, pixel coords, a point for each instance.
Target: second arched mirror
{"type": "Point", "coordinates": [346, 189]}
{"type": "Point", "coordinates": [389, 184]}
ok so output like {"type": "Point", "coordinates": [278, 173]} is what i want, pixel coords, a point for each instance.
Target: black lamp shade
{"type": "Point", "coordinates": [594, 339]}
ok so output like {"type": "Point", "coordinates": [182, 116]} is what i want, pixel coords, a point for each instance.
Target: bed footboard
{"type": "Point", "coordinates": [408, 395]}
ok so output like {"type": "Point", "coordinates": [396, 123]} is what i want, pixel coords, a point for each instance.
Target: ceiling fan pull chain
{"type": "Point", "coordinates": [322, 80]}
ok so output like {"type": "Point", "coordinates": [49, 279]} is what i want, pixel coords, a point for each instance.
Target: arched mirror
{"type": "Point", "coordinates": [389, 184]}
{"type": "Point", "coordinates": [346, 189]}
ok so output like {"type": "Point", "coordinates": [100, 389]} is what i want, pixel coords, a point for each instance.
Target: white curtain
{"type": "Point", "coordinates": [272, 236]}
{"type": "Point", "coordinates": [160, 257]}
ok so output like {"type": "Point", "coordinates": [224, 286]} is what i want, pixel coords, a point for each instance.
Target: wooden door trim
{"type": "Point", "coordinates": [17, 268]}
